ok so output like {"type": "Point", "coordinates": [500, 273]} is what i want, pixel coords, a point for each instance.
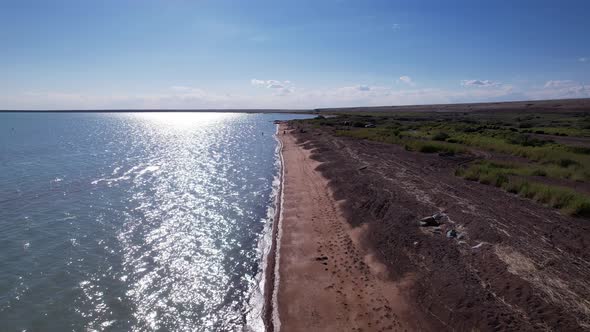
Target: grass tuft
{"type": "Point", "coordinates": [567, 200]}
{"type": "Point", "coordinates": [433, 147]}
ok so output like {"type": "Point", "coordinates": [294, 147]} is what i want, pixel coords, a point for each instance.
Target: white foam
{"type": "Point", "coordinates": [255, 317]}
{"type": "Point", "coordinates": [149, 169]}
{"type": "Point", "coordinates": [111, 180]}
{"type": "Point", "coordinates": [127, 174]}
{"type": "Point", "coordinates": [275, 301]}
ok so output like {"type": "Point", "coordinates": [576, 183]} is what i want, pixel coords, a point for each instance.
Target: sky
{"type": "Point", "coordinates": [200, 54]}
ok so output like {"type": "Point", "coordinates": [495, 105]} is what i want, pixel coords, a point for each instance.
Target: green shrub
{"type": "Point", "coordinates": [578, 207]}
{"type": "Point", "coordinates": [512, 187]}
{"type": "Point", "coordinates": [433, 147]}
{"type": "Point", "coordinates": [567, 162]}
{"type": "Point", "coordinates": [427, 148]}
{"type": "Point", "coordinates": [526, 140]}
{"type": "Point", "coordinates": [440, 136]}
{"type": "Point", "coordinates": [580, 149]}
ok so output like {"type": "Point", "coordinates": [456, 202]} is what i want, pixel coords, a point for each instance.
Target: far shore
{"type": "Point", "coordinates": [267, 111]}
{"type": "Point", "coordinates": [551, 105]}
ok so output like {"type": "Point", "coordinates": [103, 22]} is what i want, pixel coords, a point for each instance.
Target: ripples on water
{"type": "Point", "coordinates": [133, 222]}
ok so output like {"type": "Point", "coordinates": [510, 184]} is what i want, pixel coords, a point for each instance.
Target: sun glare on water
{"type": "Point", "coordinates": [182, 120]}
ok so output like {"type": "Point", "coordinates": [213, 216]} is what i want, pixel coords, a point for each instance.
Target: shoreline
{"type": "Point", "coordinates": [272, 258]}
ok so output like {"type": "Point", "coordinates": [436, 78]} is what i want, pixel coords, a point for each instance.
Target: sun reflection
{"type": "Point", "coordinates": [183, 120]}
{"type": "Point", "coordinates": [189, 243]}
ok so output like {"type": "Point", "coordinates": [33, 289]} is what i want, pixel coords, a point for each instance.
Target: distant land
{"type": "Point", "coordinates": [166, 110]}
{"type": "Point", "coordinates": [508, 106]}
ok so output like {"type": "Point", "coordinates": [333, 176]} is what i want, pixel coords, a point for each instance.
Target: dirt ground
{"type": "Point", "coordinates": [515, 264]}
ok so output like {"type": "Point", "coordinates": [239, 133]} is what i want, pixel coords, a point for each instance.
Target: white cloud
{"type": "Point", "coordinates": [555, 89]}
{"type": "Point", "coordinates": [559, 84]}
{"type": "Point", "coordinates": [285, 91]}
{"type": "Point", "coordinates": [407, 80]}
{"type": "Point", "coordinates": [583, 59]}
{"type": "Point", "coordinates": [186, 97]}
{"type": "Point", "coordinates": [287, 96]}
{"type": "Point", "coordinates": [270, 84]}
{"type": "Point", "coordinates": [257, 82]}
{"type": "Point", "coordinates": [395, 27]}
{"type": "Point", "coordinates": [180, 88]}
{"type": "Point", "coordinates": [480, 83]}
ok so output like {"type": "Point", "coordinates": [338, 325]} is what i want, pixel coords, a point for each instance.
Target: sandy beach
{"type": "Point", "coordinates": [327, 281]}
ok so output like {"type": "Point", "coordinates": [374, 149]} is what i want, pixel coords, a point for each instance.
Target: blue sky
{"type": "Point", "coordinates": [289, 54]}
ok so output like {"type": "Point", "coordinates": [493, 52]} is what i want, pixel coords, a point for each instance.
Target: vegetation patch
{"type": "Point", "coordinates": [434, 147]}
{"type": "Point", "coordinates": [567, 200]}
{"type": "Point", "coordinates": [501, 135]}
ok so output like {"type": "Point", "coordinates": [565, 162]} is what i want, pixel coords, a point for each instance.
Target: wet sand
{"type": "Point", "coordinates": [326, 280]}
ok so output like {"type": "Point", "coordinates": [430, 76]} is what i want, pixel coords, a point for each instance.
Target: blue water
{"type": "Point", "coordinates": [134, 222]}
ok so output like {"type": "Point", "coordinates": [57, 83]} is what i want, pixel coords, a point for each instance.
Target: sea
{"type": "Point", "coordinates": [135, 221]}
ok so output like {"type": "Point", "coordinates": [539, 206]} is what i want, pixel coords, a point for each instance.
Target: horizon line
{"type": "Point", "coordinates": [281, 110]}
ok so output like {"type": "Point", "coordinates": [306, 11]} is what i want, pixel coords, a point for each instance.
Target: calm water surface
{"type": "Point", "coordinates": [134, 222]}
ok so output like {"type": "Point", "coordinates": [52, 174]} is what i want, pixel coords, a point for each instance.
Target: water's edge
{"type": "Point", "coordinates": [261, 316]}
{"type": "Point", "coordinates": [276, 322]}
{"type": "Point", "coordinates": [271, 311]}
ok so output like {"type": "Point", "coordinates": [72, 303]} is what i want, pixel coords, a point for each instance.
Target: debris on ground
{"type": "Point", "coordinates": [478, 246]}
{"type": "Point", "coordinates": [433, 221]}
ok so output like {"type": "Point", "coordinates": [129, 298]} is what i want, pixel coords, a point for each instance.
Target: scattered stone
{"type": "Point", "coordinates": [364, 167]}
{"type": "Point", "coordinates": [440, 217]}
{"type": "Point", "coordinates": [477, 246]}
{"type": "Point", "coordinates": [432, 221]}
{"type": "Point", "coordinates": [428, 222]}
{"type": "Point", "coordinates": [452, 233]}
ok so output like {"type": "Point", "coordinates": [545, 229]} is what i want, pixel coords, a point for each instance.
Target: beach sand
{"type": "Point", "coordinates": [327, 281]}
